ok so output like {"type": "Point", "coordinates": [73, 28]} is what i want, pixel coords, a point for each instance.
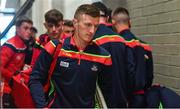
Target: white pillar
{"type": "Point", "coordinates": [71, 6]}
{"type": "Point", "coordinates": [40, 7]}
{"type": "Point", "coordinates": [67, 7]}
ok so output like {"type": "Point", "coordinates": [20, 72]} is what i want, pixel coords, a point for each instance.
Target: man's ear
{"type": "Point", "coordinates": [45, 25]}
{"type": "Point", "coordinates": [129, 22]}
{"type": "Point", "coordinates": [113, 21]}
{"type": "Point", "coordinates": [75, 22]}
{"type": "Point", "coordinates": [17, 29]}
{"type": "Point", "coordinates": [107, 18]}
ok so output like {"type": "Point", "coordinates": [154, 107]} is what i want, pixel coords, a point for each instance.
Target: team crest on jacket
{"type": "Point", "coordinates": [94, 68]}
{"type": "Point", "coordinates": [146, 56]}
{"type": "Point", "coordinates": [64, 64]}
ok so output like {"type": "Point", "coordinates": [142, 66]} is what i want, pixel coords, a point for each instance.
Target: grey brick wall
{"type": "Point", "coordinates": [158, 23]}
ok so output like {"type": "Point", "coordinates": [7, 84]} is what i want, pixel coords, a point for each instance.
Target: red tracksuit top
{"type": "Point", "coordinates": [12, 57]}
{"type": "Point", "coordinates": [38, 46]}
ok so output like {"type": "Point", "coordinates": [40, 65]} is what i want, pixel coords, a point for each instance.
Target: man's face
{"type": "Point", "coordinates": [85, 27]}
{"type": "Point", "coordinates": [33, 34]}
{"type": "Point", "coordinates": [68, 30]}
{"type": "Point", "coordinates": [24, 30]}
{"type": "Point", "coordinates": [53, 30]}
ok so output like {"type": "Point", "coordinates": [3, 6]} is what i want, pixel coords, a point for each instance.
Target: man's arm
{"type": "Point", "coordinates": [105, 82]}
{"type": "Point", "coordinates": [38, 78]}
{"type": "Point", "coordinates": [5, 56]}
{"type": "Point", "coordinates": [149, 67]}
{"type": "Point", "coordinates": [136, 78]}
{"type": "Point", "coordinates": [130, 68]}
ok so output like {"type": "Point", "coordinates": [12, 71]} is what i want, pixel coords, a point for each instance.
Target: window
{"type": "Point", "coordinates": [5, 20]}
{"type": "Point", "coordinates": [7, 12]}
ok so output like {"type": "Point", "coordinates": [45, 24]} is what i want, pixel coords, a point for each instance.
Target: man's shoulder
{"type": "Point", "coordinates": [105, 55]}
{"type": "Point", "coordinates": [43, 38]}
{"type": "Point", "coordinates": [105, 35]}
{"type": "Point", "coordinates": [41, 41]}
{"type": "Point", "coordinates": [15, 43]}
{"type": "Point", "coordinates": [99, 54]}
{"type": "Point", "coordinates": [100, 50]}
{"type": "Point", "coordinates": [56, 42]}
{"type": "Point", "coordinates": [51, 46]}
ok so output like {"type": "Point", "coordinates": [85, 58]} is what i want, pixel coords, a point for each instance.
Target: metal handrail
{"type": "Point", "coordinates": [22, 11]}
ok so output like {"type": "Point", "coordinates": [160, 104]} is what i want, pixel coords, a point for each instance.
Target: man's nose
{"type": "Point", "coordinates": [54, 28]}
{"type": "Point", "coordinates": [29, 31]}
{"type": "Point", "coordinates": [92, 29]}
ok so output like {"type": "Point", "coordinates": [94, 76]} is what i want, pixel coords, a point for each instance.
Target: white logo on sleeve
{"type": "Point", "coordinates": [64, 64]}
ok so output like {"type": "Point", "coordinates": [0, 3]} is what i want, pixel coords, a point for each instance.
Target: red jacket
{"type": "Point", "coordinates": [12, 57]}
{"type": "Point", "coordinates": [38, 46]}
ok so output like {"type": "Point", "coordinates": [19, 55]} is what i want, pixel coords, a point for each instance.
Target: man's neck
{"type": "Point", "coordinates": [53, 37]}
{"type": "Point", "coordinates": [21, 38]}
{"type": "Point", "coordinates": [122, 28]}
{"type": "Point", "coordinates": [81, 45]}
{"type": "Point", "coordinates": [102, 21]}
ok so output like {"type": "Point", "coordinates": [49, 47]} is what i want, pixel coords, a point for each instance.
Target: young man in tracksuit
{"type": "Point", "coordinates": [78, 66]}
{"type": "Point", "coordinates": [122, 59]}
{"type": "Point", "coordinates": [67, 29]}
{"type": "Point", "coordinates": [104, 14]}
{"type": "Point", "coordinates": [142, 54]}
{"type": "Point", "coordinates": [12, 57]}
{"type": "Point", "coordinates": [30, 44]}
{"type": "Point", "coordinates": [53, 24]}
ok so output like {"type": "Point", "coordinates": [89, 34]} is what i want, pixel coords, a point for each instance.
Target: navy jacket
{"type": "Point", "coordinates": [74, 77]}
{"type": "Point", "coordinates": [143, 61]}
{"type": "Point", "coordinates": [123, 64]}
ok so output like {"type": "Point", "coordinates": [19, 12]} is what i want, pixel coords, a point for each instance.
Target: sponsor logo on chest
{"type": "Point", "coordinates": [64, 64]}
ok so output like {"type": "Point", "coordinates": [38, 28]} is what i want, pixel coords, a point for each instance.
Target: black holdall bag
{"type": "Point", "coordinates": [159, 96]}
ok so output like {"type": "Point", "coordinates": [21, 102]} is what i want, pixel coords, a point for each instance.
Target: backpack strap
{"type": "Point", "coordinates": [53, 64]}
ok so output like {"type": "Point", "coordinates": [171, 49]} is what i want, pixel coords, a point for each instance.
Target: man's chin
{"type": "Point", "coordinates": [26, 38]}
{"type": "Point", "coordinates": [89, 41]}
{"type": "Point", "coordinates": [54, 36]}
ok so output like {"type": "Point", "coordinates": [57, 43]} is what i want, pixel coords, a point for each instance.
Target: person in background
{"type": "Point", "coordinates": [142, 54]}
{"type": "Point", "coordinates": [29, 50]}
{"type": "Point", "coordinates": [103, 12]}
{"type": "Point", "coordinates": [53, 24]}
{"type": "Point", "coordinates": [12, 57]}
{"type": "Point", "coordinates": [34, 32]}
{"type": "Point", "coordinates": [68, 29]}
{"type": "Point", "coordinates": [122, 61]}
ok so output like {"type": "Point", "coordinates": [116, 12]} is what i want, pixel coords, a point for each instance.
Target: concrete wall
{"type": "Point", "coordinates": [115, 3]}
{"type": "Point", "coordinates": [158, 23]}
